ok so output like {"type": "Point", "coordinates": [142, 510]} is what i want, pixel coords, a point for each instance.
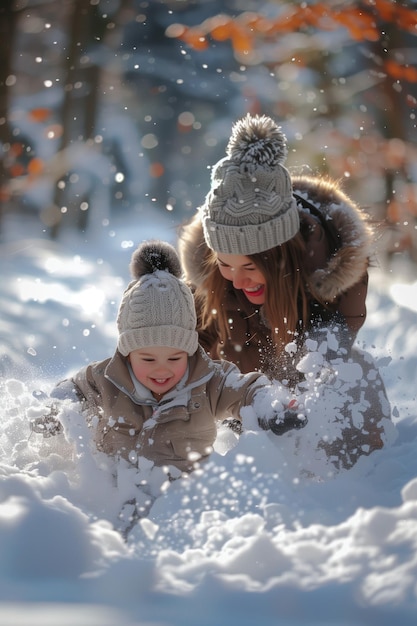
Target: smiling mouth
{"type": "Point", "coordinates": [255, 291]}
{"type": "Point", "coordinates": [161, 381]}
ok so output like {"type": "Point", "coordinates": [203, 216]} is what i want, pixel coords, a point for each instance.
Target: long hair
{"type": "Point", "coordinates": [286, 307]}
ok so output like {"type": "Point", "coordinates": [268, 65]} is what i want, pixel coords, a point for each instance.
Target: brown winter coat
{"type": "Point", "coordinates": [178, 430]}
{"type": "Point", "coordinates": [339, 243]}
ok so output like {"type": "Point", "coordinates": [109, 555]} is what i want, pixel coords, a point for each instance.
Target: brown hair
{"type": "Point", "coordinates": [286, 297]}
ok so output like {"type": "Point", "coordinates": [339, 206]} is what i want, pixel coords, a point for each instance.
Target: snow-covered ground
{"type": "Point", "coordinates": [247, 539]}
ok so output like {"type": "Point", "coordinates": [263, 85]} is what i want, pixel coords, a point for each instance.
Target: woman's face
{"type": "Point", "coordinates": [244, 275]}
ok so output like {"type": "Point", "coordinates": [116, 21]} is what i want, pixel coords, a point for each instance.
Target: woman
{"type": "Point", "coordinates": [279, 272]}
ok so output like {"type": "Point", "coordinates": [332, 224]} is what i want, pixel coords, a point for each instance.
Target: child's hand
{"type": "Point", "coordinates": [234, 424]}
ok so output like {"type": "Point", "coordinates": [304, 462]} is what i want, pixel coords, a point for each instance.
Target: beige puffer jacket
{"type": "Point", "coordinates": [180, 429]}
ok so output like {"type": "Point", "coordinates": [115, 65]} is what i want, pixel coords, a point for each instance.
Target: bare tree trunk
{"type": "Point", "coordinates": [395, 124]}
{"type": "Point", "coordinates": [79, 112]}
{"type": "Point", "coordinates": [8, 19]}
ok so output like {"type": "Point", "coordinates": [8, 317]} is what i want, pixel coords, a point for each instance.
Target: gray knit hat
{"type": "Point", "coordinates": [250, 207]}
{"type": "Point", "coordinates": [157, 308]}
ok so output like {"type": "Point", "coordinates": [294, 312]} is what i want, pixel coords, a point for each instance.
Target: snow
{"type": "Point", "coordinates": [259, 534]}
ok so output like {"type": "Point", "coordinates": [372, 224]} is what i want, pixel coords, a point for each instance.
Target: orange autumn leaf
{"type": "Point", "coordinates": [361, 22]}
{"type": "Point", "coordinates": [395, 70]}
{"type": "Point", "coordinates": [322, 8]}
{"type": "Point", "coordinates": [35, 166]}
{"type": "Point", "coordinates": [16, 170]}
{"type": "Point", "coordinates": [4, 194]}
{"type": "Point", "coordinates": [241, 41]}
{"type": "Point", "coordinates": [16, 149]}
{"type": "Point", "coordinates": [195, 38]}
{"type": "Point", "coordinates": [288, 23]}
{"type": "Point", "coordinates": [362, 34]}
{"type": "Point", "coordinates": [389, 11]}
{"type": "Point", "coordinates": [361, 26]}
{"type": "Point", "coordinates": [408, 22]}
{"type": "Point", "coordinates": [223, 30]}
{"type": "Point", "coordinates": [410, 74]}
{"type": "Point", "coordinates": [385, 8]}
{"type": "Point", "coordinates": [411, 100]}
{"type": "Point", "coordinates": [365, 19]}
{"type": "Point", "coordinates": [156, 170]}
{"type": "Point", "coordinates": [184, 128]}
{"type": "Point", "coordinates": [393, 212]}
{"type": "Point", "coordinates": [40, 114]}
{"type": "Point", "coordinates": [352, 18]}
{"type": "Point", "coordinates": [255, 22]}
{"type": "Point", "coordinates": [315, 12]}
{"type": "Point", "coordinates": [372, 34]}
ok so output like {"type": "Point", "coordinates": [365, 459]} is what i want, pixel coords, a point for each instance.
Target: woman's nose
{"type": "Point", "coordinates": [240, 280]}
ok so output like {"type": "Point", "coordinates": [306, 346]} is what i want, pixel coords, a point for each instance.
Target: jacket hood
{"type": "Point", "coordinates": [200, 369]}
{"type": "Point", "coordinates": [344, 268]}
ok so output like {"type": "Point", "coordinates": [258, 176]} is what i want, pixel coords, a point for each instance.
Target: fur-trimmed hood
{"type": "Point", "coordinates": [350, 223]}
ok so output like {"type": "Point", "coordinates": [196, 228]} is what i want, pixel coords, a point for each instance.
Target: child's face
{"type": "Point", "coordinates": [159, 368]}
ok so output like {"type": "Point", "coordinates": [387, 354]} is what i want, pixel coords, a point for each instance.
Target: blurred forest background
{"type": "Point", "coordinates": [120, 106]}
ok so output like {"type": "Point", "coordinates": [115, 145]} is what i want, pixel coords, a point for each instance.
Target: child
{"type": "Point", "coordinates": [160, 396]}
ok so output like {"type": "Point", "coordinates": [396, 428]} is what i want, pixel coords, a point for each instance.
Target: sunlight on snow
{"type": "Point", "coordinates": [64, 266]}
{"type": "Point", "coordinates": [405, 295]}
{"type": "Point", "coordinates": [89, 299]}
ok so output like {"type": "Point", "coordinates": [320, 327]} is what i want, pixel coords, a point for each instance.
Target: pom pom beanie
{"type": "Point", "coordinates": [157, 309]}
{"type": "Point", "coordinates": [250, 207]}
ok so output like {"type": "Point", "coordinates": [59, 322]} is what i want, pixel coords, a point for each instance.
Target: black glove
{"type": "Point", "coordinates": [282, 423]}
{"type": "Point", "coordinates": [47, 425]}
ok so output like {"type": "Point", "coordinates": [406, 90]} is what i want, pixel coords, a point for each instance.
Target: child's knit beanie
{"type": "Point", "coordinates": [250, 207]}
{"type": "Point", "coordinates": [157, 308]}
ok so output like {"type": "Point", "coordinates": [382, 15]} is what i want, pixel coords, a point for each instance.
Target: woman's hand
{"type": "Point", "coordinates": [282, 422]}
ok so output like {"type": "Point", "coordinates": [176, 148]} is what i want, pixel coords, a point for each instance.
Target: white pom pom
{"type": "Point", "coordinates": [257, 140]}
